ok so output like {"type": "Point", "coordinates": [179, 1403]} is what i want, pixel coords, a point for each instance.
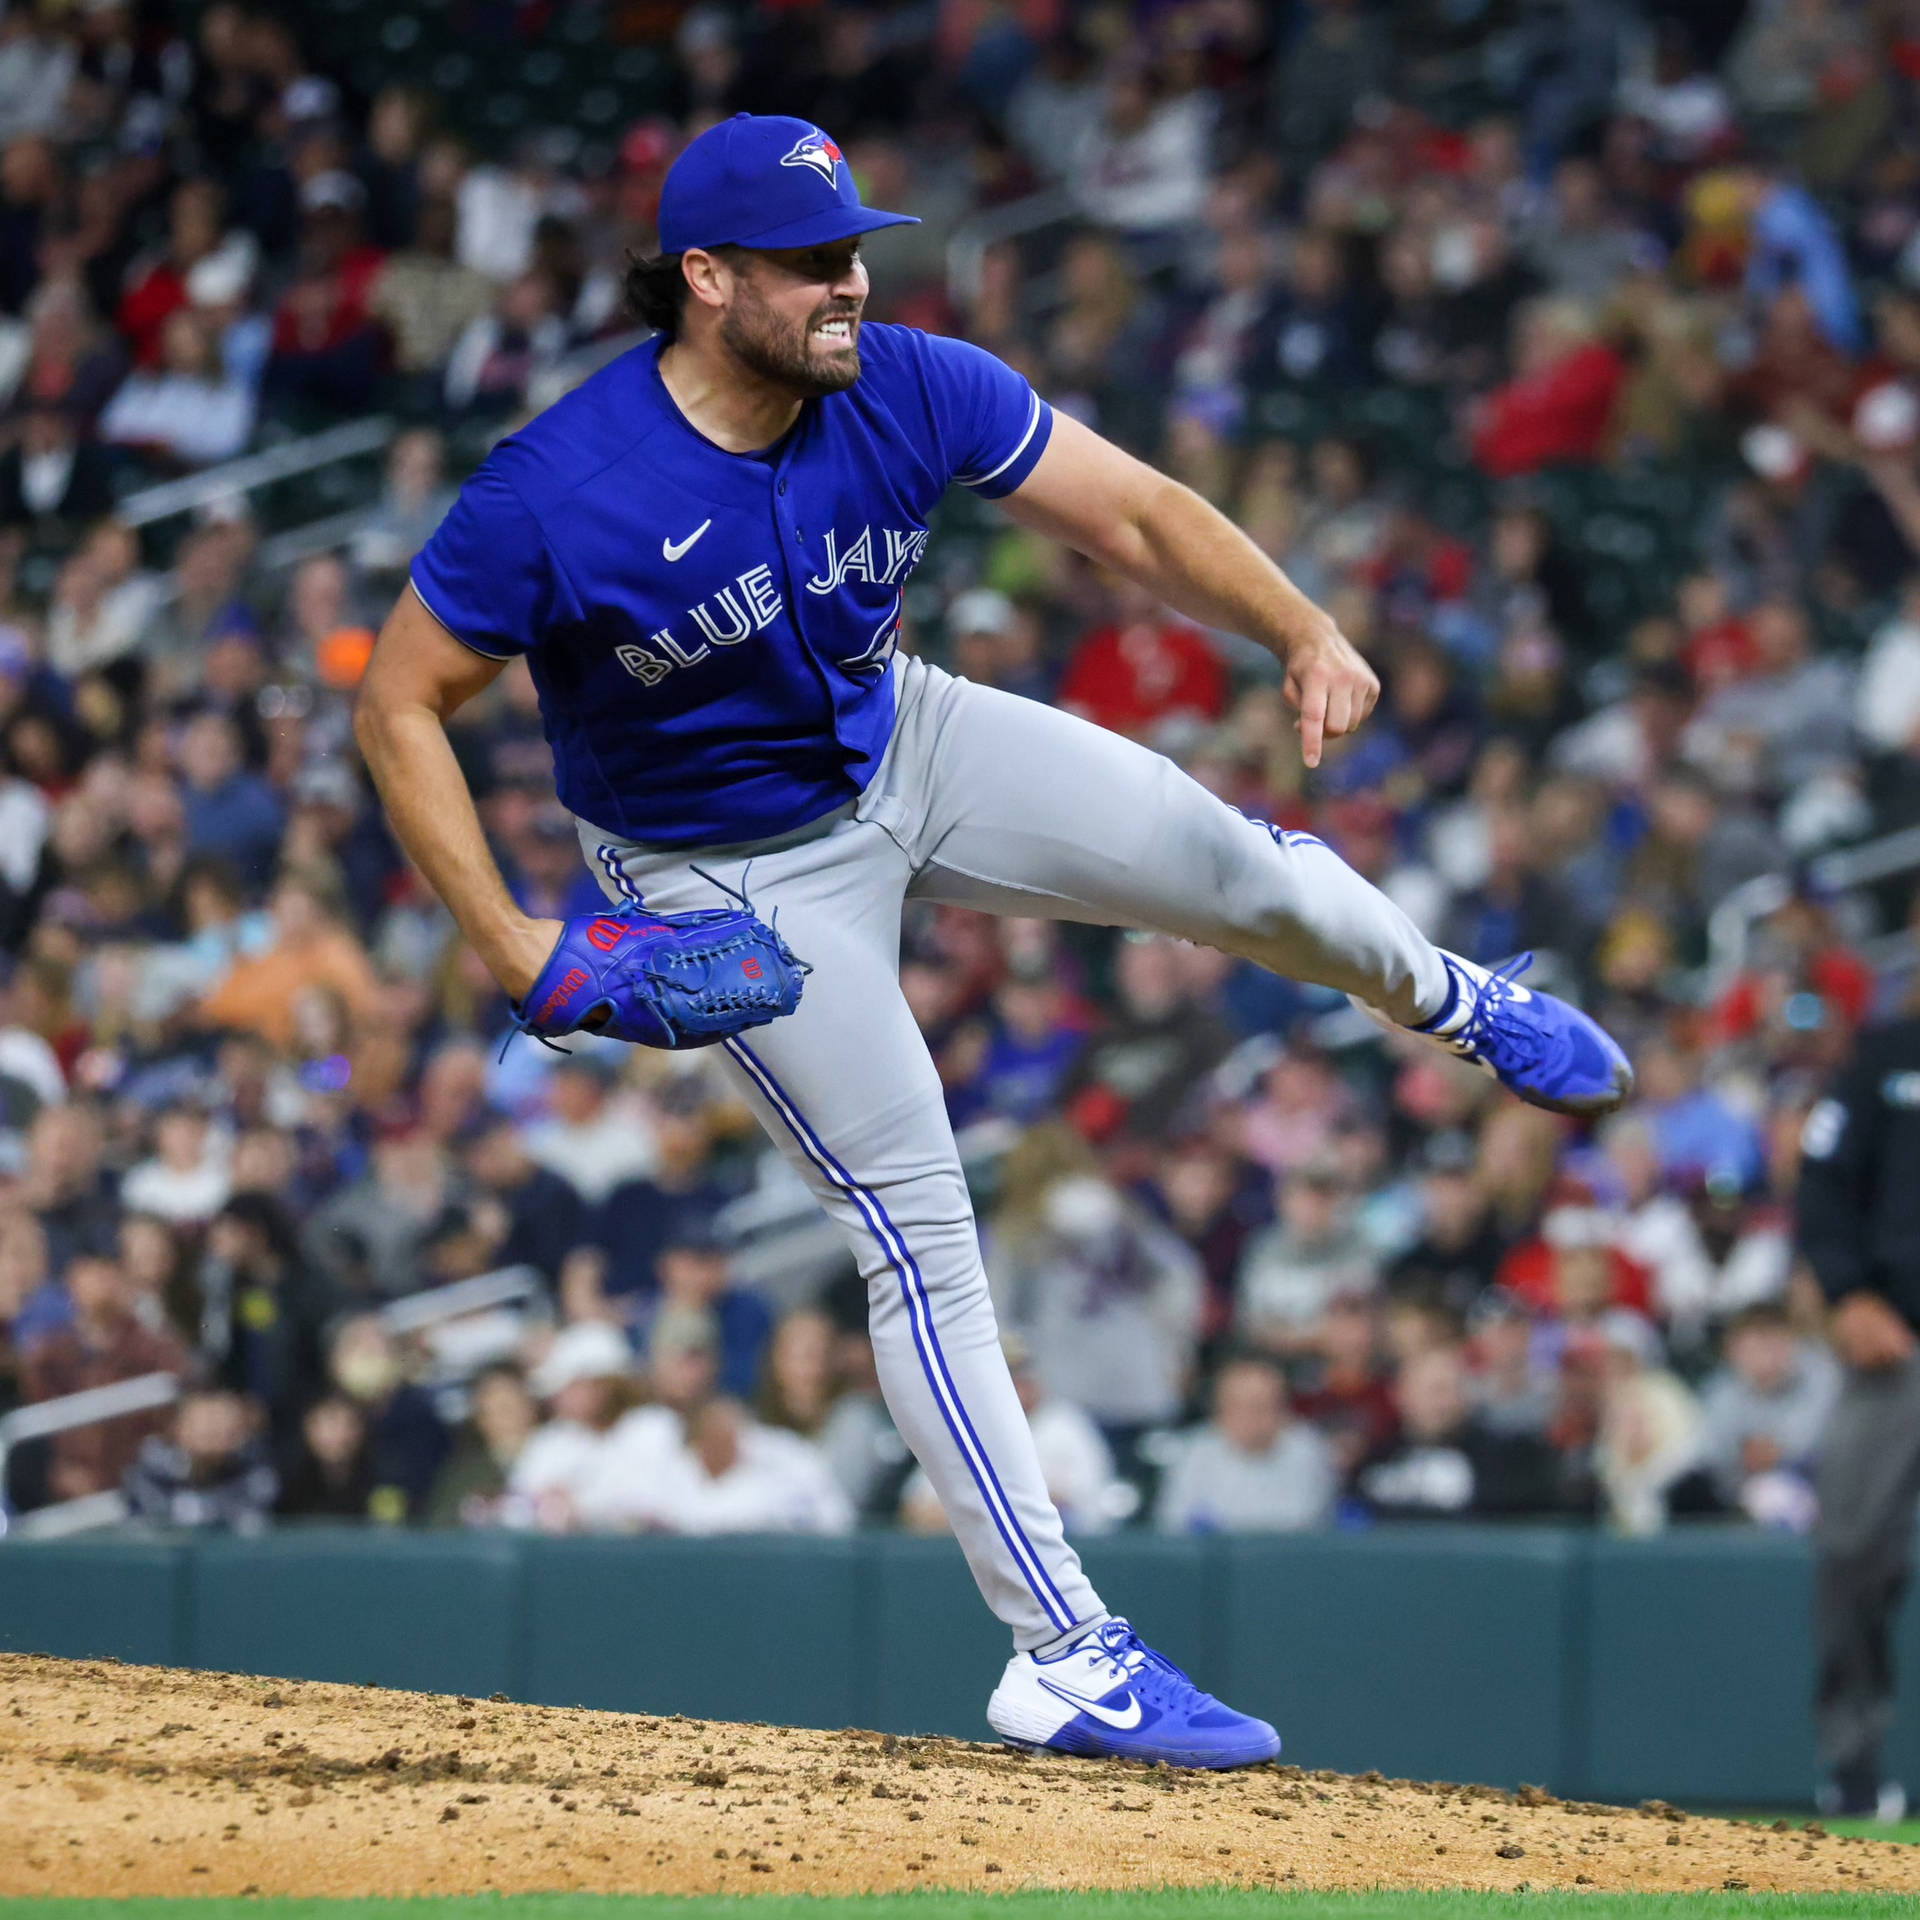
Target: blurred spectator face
{"type": "Point", "coordinates": [587, 1403]}
{"type": "Point", "coordinates": [416, 466]}
{"type": "Point", "coordinates": [193, 220]}
{"type": "Point", "coordinates": [497, 1159]}
{"type": "Point", "coordinates": [44, 432]}
{"type": "Point", "coordinates": [364, 1363]}
{"type": "Point", "coordinates": [98, 1290]}
{"type": "Point", "coordinates": [395, 124]}
{"type": "Point", "coordinates": [1030, 1009]}
{"type": "Point", "coordinates": [28, 171]}
{"type": "Point", "coordinates": [1196, 1183]}
{"type": "Point", "coordinates": [1339, 478]}
{"type": "Point", "coordinates": [1313, 1203]}
{"type": "Point", "coordinates": [334, 1430]}
{"type": "Point", "coordinates": [693, 1276]}
{"type": "Point", "coordinates": [1579, 193]}
{"type": "Point", "coordinates": [504, 1413]}
{"type": "Point", "coordinates": [452, 1088]}
{"type": "Point", "coordinates": [297, 913]}
{"type": "Point", "coordinates": [1450, 1204]}
{"type": "Point", "coordinates": [186, 347]}
{"type": "Point", "coordinates": [1250, 1405]}
{"type": "Point", "coordinates": [1431, 1393]}
{"type": "Point", "coordinates": [714, 1433]}
{"type": "Point", "coordinates": [210, 752]}
{"type": "Point", "coordinates": [318, 600]}
{"type": "Point", "coordinates": [683, 1373]}
{"type": "Point", "coordinates": [23, 1261]}
{"type": "Point", "coordinates": [800, 1361]}
{"type": "Point", "coordinates": [64, 1146]}
{"type": "Point", "coordinates": [1780, 638]}
{"type": "Point", "coordinates": [148, 1252]}
{"type": "Point", "coordinates": [1764, 1354]}
{"type": "Point", "coordinates": [180, 1139]}
{"type": "Point", "coordinates": [1583, 1281]}
{"type": "Point", "coordinates": [1148, 976]}
{"type": "Point", "coordinates": [210, 1428]}
{"type": "Point", "coordinates": [1316, 269]}
{"type": "Point", "coordinates": [1346, 1336]}
{"type": "Point", "coordinates": [576, 1092]}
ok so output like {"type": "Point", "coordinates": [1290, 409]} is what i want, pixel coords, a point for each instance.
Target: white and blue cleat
{"type": "Point", "coordinates": [1109, 1696]}
{"type": "Point", "coordinates": [1535, 1044]}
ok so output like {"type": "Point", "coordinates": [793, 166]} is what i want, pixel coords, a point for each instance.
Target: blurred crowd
{"type": "Point", "coordinates": [1568, 351]}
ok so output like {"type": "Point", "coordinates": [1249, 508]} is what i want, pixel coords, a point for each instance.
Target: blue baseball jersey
{"type": "Point", "coordinates": [709, 631]}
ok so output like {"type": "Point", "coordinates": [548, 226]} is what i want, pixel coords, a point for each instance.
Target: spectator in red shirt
{"type": "Point", "coordinates": [1556, 408]}
{"type": "Point", "coordinates": [1143, 670]}
{"type": "Point", "coordinates": [326, 347]}
{"type": "Point", "coordinates": [157, 282]}
{"type": "Point", "coordinates": [1798, 955]}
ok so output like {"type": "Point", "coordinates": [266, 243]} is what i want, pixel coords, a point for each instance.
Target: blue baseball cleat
{"type": "Point", "coordinates": [1109, 1696]}
{"type": "Point", "coordinates": [1534, 1044]}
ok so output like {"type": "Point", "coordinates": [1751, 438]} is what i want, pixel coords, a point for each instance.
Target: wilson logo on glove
{"type": "Point", "coordinates": [577, 978]}
{"type": "Point", "coordinates": [671, 980]}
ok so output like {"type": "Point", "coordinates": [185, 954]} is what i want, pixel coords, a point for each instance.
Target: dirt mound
{"type": "Point", "coordinates": [142, 1780]}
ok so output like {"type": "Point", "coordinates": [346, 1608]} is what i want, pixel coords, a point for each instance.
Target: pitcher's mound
{"type": "Point", "coordinates": [142, 1780]}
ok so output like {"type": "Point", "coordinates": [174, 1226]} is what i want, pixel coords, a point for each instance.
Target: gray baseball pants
{"type": "Point", "coordinates": [1869, 1482]}
{"type": "Point", "coordinates": [990, 801]}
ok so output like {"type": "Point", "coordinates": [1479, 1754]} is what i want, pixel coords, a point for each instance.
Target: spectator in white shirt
{"type": "Point", "coordinates": [584, 1381]}
{"type": "Point", "coordinates": [1766, 1410]}
{"type": "Point", "coordinates": [1886, 700]}
{"type": "Point", "coordinates": [1110, 1301]}
{"type": "Point", "coordinates": [192, 410]}
{"type": "Point", "coordinates": [1253, 1468]}
{"type": "Point", "coordinates": [615, 1488]}
{"type": "Point", "coordinates": [591, 1137]}
{"type": "Point", "coordinates": [732, 1475]}
{"type": "Point", "coordinates": [187, 1177]}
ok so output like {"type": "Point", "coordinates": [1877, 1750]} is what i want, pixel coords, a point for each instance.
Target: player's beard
{"type": "Point", "coordinates": [778, 351]}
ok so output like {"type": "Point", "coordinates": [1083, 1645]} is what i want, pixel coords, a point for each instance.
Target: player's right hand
{"type": "Point", "coordinates": [1330, 686]}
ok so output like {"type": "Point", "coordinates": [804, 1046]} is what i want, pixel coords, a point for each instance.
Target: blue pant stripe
{"type": "Point", "coordinates": [618, 875]}
{"type": "Point", "coordinates": [926, 1340]}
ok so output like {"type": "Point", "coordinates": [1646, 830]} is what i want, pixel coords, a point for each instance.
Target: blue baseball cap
{"type": "Point", "coordinates": [764, 180]}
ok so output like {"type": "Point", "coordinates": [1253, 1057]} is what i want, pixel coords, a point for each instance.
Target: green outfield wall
{"type": "Point", "coordinates": [1606, 1669]}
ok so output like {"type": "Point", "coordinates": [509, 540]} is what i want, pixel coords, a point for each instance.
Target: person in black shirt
{"type": "Point", "coordinates": [1859, 1227]}
{"type": "Point", "coordinates": [1447, 1462]}
{"type": "Point", "coordinates": [1460, 1248]}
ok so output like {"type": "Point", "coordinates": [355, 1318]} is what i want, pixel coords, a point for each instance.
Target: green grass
{"type": "Point", "coordinates": [1905, 1830]}
{"type": "Point", "coordinates": [1223, 1903]}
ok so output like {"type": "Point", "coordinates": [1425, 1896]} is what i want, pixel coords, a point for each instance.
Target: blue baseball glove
{"type": "Point", "coordinates": [663, 979]}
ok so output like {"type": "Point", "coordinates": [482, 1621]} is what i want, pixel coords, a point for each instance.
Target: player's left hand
{"type": "Point", "coordinates": [1330, 686]}
{"type": "Point", "coordinates": [663, 979]}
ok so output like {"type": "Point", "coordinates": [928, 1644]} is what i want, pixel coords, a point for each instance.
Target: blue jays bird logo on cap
{"type": "Point", "coordinates": [815, 150]}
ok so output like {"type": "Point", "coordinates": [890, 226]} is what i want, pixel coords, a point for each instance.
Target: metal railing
{"type": "Point", "coordinates": [173, 497]}
{"type": "Point", "coordinates": [504, 1287]}
{"type": "Point", "coordinates": [1730, 927]}
{"type": "Point", "coordinates": [44, 1418]}
{"type": "Point", "coordinates": [975, 238]}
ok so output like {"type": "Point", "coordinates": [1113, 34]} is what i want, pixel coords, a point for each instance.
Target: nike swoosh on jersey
{"type": "Point", "coordinates": [670, 551]}
{"type": "Point", "coordinates": [1123, 1718]}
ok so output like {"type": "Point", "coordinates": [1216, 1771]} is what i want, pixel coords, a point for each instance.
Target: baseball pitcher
{"type": "Point", "coordinates": [701, 553]}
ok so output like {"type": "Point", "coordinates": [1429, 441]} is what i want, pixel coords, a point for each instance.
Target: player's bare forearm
{"type": "Point", "coordinates": [419, 675]}
{"type": "Point", "coordinates": [1121, 512]}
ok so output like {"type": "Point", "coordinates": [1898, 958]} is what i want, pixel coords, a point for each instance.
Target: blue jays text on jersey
{"type": "Point", "coordinates": [709, 631]}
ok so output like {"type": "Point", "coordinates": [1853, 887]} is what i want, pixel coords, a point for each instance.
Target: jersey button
{"type": "Point", "coordinates": [783, 486]}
